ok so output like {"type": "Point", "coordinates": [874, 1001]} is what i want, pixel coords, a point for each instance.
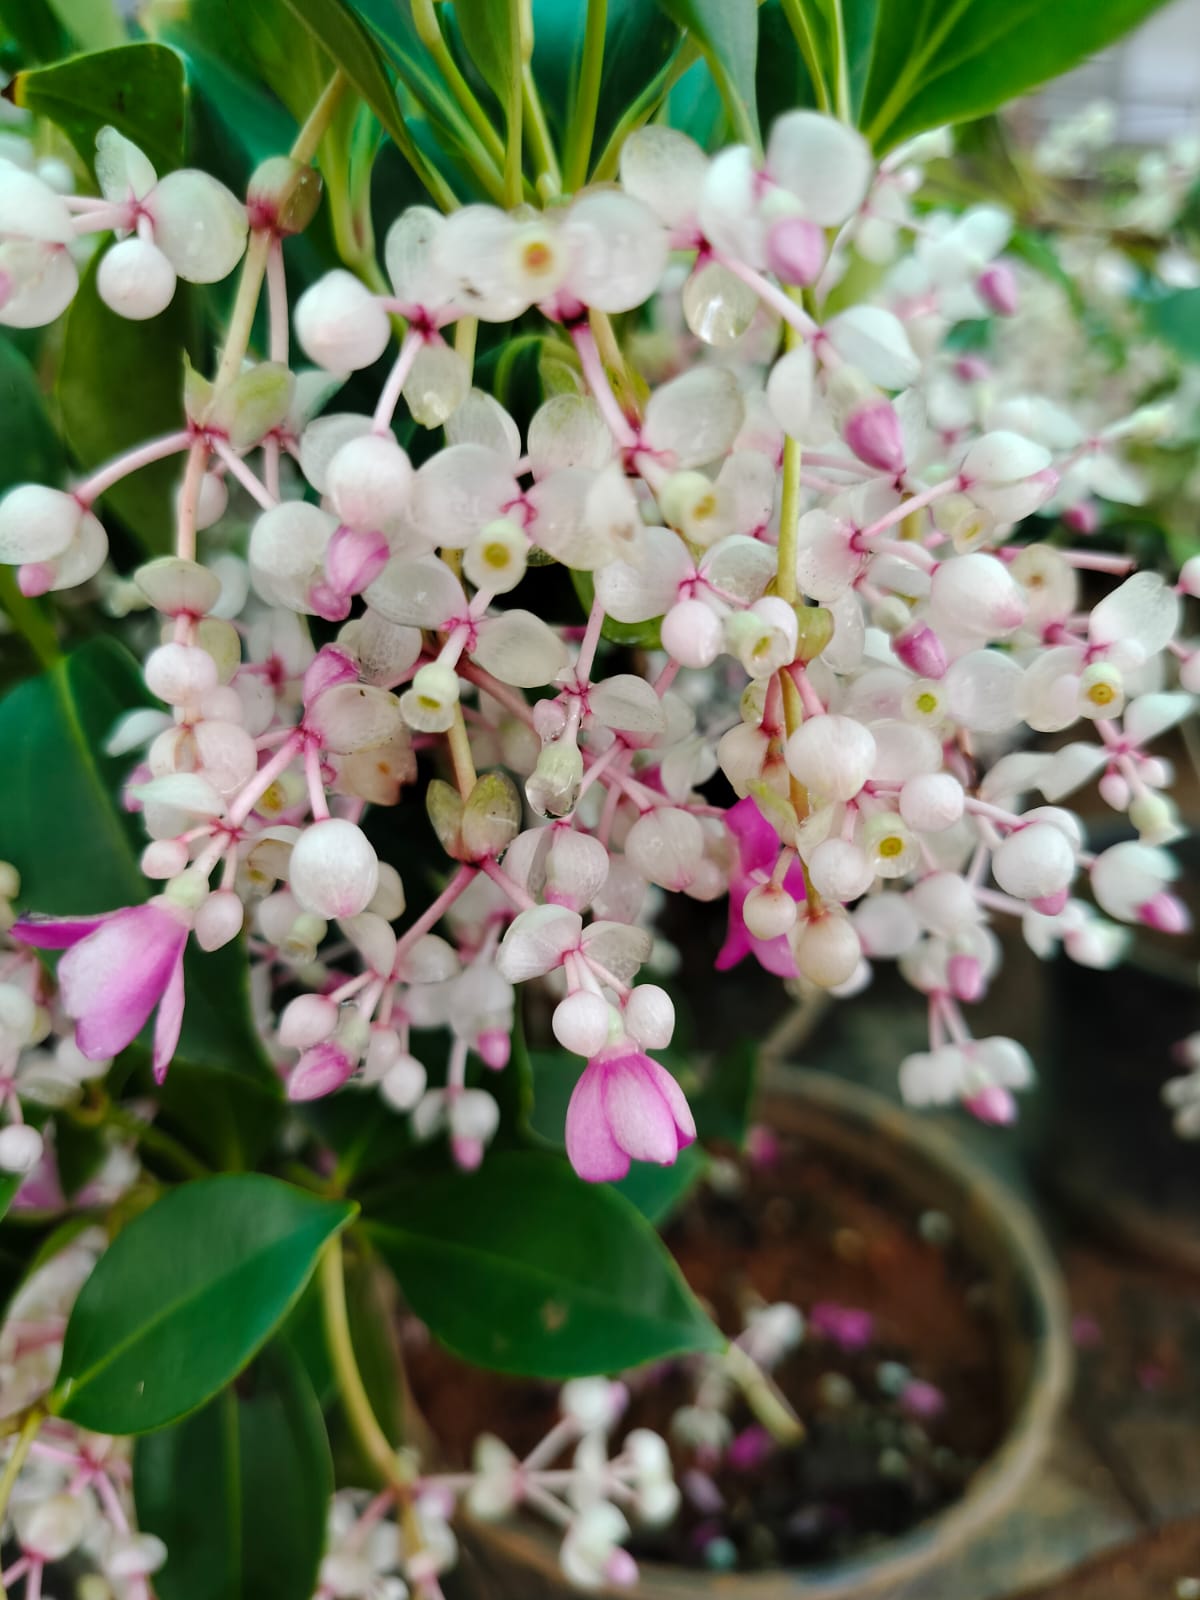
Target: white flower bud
{"type": "Point", "coordinates": [37, 523]}
{"type": "Point", "coordinates": [333, 870]}
{"type": "Point", "coordinates": [403, 1084]}
{"type": "Point", "coordinates": [581, 1023]}
{"type": "Point", "coordinates": [832, 755]}
{"type": "Point", "coordinates": [693, 503]}
{"type": "Point", "coordinates": [177, 587]}
{"type": "Point", "coordinates": [931, 802]}
{"type": "Point", "coordinates": [219, 919]}
{"type": "Point", "coordinates": [340, 324]}
{"type": "Point", "coordinates": [178, 673]}
{"type": "Point", "coordinates": [553, 786]}
{"type": "Point", "coordinates": [975, 594]}
{"type": "Point", "coordinates": [826, 948]}
{"type": "Point", "coordinates": [839, 870]}
{"type": "Point", "coordinates": [163, 858]}
{"type": "Point", "coordinates": [50, 1528]}
{"type": "Point", "coordinates": [135, 279]}
{"type": "Point", "coordinates": [307, 1020]}
{"type": "Point", "coordinates": [764, 637]}
{"type": "Point", "coordinates": [769, 911]}
{"type": "Point", "coordinates": [650, 1016]}
{"type": "Point", "coordinates": [20, 1148]}
{"type": "Point", "coordinates": [369, 481]}
{"type": "Point", "coordinates": [1034, 863]}
{"type": "Point", "coordinates": [692, 634]}
{"type": "Point", "coordinates": [429, 705]}
{"type": "Point", "coordinates": [388, 900]}
{"type": "Point", "coordinates": [1002, 457]}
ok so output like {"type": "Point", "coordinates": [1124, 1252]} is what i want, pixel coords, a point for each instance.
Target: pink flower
{"type": "Point", "coordinates": [625, 1107]}
{"type": "Point", "coordinates": [846, 1326]}
{"type": "Point", "coordinates": [757, 846]}
{"type": "Point", "coordinates": [117, 968]}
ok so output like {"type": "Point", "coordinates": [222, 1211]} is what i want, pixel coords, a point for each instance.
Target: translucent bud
{"type": "Point", "coordinates": [814, 630]}
{"type": "Point", "coordinates": [178, 673]}
{"type": "Point", "coordinates": [666, 845]}
{"type": "Point", "coordinates": [340, 324]}
{"type": "Point", "coordinates": [1155, 817]}
{"type": "Point", "coordinates": [769, 911]}
{"type": "Point", "coordinates": [429, 705]}
{"type": "Point", "coordinates": [826, 948]}
{"type": "Point", "coordinates": [650, 1016]}
{"type": "Point", "coordinates": [177, 587]}
{"type": "Point", "coordinates": [839, 870]}
{"type": "Point", "coordinates": [135, 279]}
{"type": "Point", "coordinates": [931, 802]}
{"type": "Point", "coordinates": [20, 1148]}
{"type": "Point", "coordinates": [491, 818]}
{"type": "Point", "coordinates": [219, 920]}
{"type": "Point", "coordinates": [283, 195]}
{"type": "Point", "coordinates": [496, 557]}
{"type": "Point", "coordinates": [717, 306]}
{"type": "Point", "coordinates": [307, 1020]}
{"type": "Point", "coordinates": [832, 755]}
{"type": "Point", "coordinates": [764, 637]}
{"type": "Point", "coordinates": [581, 1023]}
{"type": "Point", "coordinates": [388, 900]}
{"type": "Point", "coordinates": [553, 787]}
{"type": "Point", "coordinates": [333, 871]}
{"type": "Point", "coordinates": [437, 384]}
{"type": "Point", "coordinates": [692, 634]}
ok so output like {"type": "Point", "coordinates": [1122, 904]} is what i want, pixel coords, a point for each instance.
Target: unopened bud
{"type": "Point", "coordinates": [283, 195]}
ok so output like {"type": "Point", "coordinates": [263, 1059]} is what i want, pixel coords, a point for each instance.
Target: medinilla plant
{"type": "Point", "coordinates": [470, 467]}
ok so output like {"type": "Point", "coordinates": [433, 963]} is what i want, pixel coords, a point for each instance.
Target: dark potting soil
{"type": "Point", "coordinates": [896, 1422]}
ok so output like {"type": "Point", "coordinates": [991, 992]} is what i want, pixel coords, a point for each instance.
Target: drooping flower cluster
{"type": "Point", "coordinates": [815, 526]}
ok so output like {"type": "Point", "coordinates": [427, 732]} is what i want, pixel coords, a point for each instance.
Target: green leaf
{"type": "Point", "coordinates": [723, 1105]}
{"type": "Point", "coordinates": [658, 1192]}
{"type": "Point", "coordinates": [727, 32]}
{"type": "Point", "coordinates": [484, 25]}
{"type": "Point", "coordinates": [79, 1152]}
{"type": "Point", "coordinates": [940, 61]}
{"type": "Point", "coordinates": [138, 89]}
{"type": "Point", "coordinates": [185, 1296]}
{"type": "Point", "coordinates": [222, 1088]}
{"type": "Point", "coordinates": [33, 452]}
{"type": "Point", "coordinates": [1175, 318]}
{"type": "Point", "coordinates": [240, 1491]}
{"type": "Point", "coordinates": [37, 31]}
{"type": "Point", "coordinates": [9, 1184]}
{"type": "Point", "coordinates": [523, 1268]}
{"type": "Point", "coordinates": [120, 384]}
{"type": "Point", "coordinates": [93, 24]}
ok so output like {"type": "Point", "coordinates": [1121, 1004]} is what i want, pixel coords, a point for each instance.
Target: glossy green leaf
{"type": "Point", "coordinates": [723, 1104]}
{"type": "Point", "coordinates": [936, 63]}
{"type": "Point", "coordinates": [37, 32]}
{"type": "Point", "coordinates": [524, 1268]}
{"type": "Point", "coordinates": [121, 384]}
{"type": "Point", "coordinates": [485, 25]}
{"type": "Point", "coordinates": [33, 452]}
{"type": "Point", "coordinates": [658, 1192]}
{"type": "Point", "coordinates": [1176, 320]}
{"type": "Point", "coordinates": [136, 88]}
{"type": "Point", "coordinates": [239, 1492]}
{"type": "Point", "coordinates": [9, 1184]}
{"type": "Point", "coordinates": [727, 32]}
{"type": "Point", "coordinates": [93, 24]}
{"type": "Point", "coordinates": [185, 1296]}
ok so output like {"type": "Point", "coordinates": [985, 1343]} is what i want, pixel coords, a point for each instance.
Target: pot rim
{"type": "Point", "coordinates": [997, 1483]}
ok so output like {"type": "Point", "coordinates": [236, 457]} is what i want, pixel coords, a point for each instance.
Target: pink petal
{"type": "Point", "coordinates": [169, 1021]}
{"type": "Point", "coordinates": [593, 1151]}
{"type": "Point", "coordinates": [319, 1072]}
{"type": "Point", "coordinates": [639, 1118]}
{"type": "Point", "coordinates": [668, 1087]}
{"type": "Point", "coordinates": [55, 933]}
{"type": "Point", "coordinates": [775, 956]}
{"type": "Point", "coordinates": [112, 980]}
{"type": "Point", "coordinates": [757, 841]}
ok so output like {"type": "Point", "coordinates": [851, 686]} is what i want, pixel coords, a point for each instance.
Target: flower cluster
{"type": "Point", "coordinates": [814, 525]}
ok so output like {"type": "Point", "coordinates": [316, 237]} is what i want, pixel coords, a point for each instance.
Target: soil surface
{"type": "Point", "coordinates": [898, 1378]}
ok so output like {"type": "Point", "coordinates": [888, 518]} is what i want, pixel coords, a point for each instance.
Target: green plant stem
{"type": "Point", "coordinates": [28, 619]}
{"type": "Point", "coordinates": [841, 75]}
{"type": "Point", "coordinates": [541, 144]}
{"type": "Point", "coordinates": [764, 1397]}
{"type": "Point", "coordinates": [643, 108]}
{"type": "Point", "coordinates": [16, 1461]}
{"type": "Point", "coordinates": [430, 34]}
{"type": "Point", "coordinates": [386, 1460]}
{"type": "Point", "coordinates": [254, 268]}
{"type": "Point", "coordinates": [581, 128]}
{"type": "Point", "coordinates": [514, 191]}
{"type": "Point", "coordinates": [797, 18]}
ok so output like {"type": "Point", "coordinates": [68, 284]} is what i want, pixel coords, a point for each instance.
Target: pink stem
{"type": "Point", "coordinates": [433, 914]}
{"type": "Point", "coordinates": [389, 399]}
{"type": "Point", "coordinates": [264, 778]}
{"type": "Point", "coordinates": [510, 887]}
{"type": "Point", "coordinates": [169, 445]}
{"type": "Point", "coordinates": [602, 393]}
{"type": "Point", "coordinates": [277, 302]}
{"type": "Point", "coordinates": [248, 479]}
{"type": "Point", "coordinates": [917, 502]}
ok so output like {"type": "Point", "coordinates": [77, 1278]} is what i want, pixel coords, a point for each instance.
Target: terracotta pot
{"type": "Point", "coordinates": [519, 1561]}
